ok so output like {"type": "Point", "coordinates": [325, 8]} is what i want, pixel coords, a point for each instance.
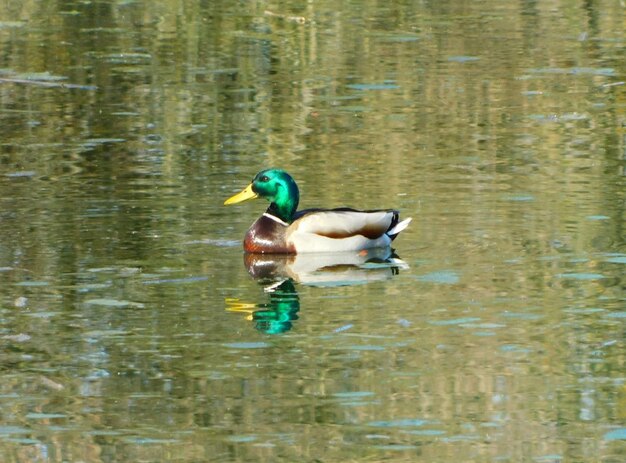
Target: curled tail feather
{"type": "Point", "coordinates": [398, 227]}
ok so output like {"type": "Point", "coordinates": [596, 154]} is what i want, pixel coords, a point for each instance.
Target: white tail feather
{"type": "Point", "coordinates": [399, 227]}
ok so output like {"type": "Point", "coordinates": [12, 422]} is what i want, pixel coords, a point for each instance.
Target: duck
{"type": "Point", "coordinates": [282, 229]}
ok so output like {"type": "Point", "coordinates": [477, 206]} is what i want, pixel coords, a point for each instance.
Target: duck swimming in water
{"type": "Point", "coordinates": [284, 230]}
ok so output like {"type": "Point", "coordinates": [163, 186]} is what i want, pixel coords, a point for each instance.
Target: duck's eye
{"type": "Point", "coordinates": [265, 178]}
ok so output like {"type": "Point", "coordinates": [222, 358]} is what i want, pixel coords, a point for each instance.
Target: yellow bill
{"type": "Point", "coordinates": [245, 195]}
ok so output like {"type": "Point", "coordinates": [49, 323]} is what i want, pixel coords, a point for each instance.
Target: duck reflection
{"type": "Point", "coordinates": [279, 273]}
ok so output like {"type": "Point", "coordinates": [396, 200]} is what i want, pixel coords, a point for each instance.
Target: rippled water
{"type": "Point", "coordinates": [133, 328]}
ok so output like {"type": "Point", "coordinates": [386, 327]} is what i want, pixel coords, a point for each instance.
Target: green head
{"type": "Point", "coordinates": [277, 187]}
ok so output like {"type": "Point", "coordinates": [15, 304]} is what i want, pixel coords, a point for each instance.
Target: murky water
{"type": "Point", "coordinates": [133, 328]}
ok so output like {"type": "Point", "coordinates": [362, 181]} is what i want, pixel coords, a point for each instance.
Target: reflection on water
{"type": "Point", "coordinates": [325, 269]}
{"type": "Point", "coordinates": [278, 273]}
{"type": "Point", "coordinates": [275, 316]}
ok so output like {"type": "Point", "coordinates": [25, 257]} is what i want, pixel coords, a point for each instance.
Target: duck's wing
{"type": "Point", "coordinates": [345, 223]}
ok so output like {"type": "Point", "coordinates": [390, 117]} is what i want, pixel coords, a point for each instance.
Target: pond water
{"type": "Point", "coordinates": [133, 327]}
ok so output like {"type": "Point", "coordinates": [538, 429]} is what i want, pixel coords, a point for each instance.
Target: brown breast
{"type": "Point", "coordinates": [267, 236]}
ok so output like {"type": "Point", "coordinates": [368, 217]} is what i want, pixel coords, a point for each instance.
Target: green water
{"type": "Point", "coordinates": [133, 328]}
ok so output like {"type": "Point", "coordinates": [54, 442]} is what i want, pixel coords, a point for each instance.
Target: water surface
{"type": "Point", "coordinates": [132, 326]}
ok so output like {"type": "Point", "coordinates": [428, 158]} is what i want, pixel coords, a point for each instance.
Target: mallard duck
{"type": "Point", "coordinates": [282, 230]}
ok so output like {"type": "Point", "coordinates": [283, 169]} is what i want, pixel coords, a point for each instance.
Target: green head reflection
{"type": "Point", "coordinates": [276, 316]}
